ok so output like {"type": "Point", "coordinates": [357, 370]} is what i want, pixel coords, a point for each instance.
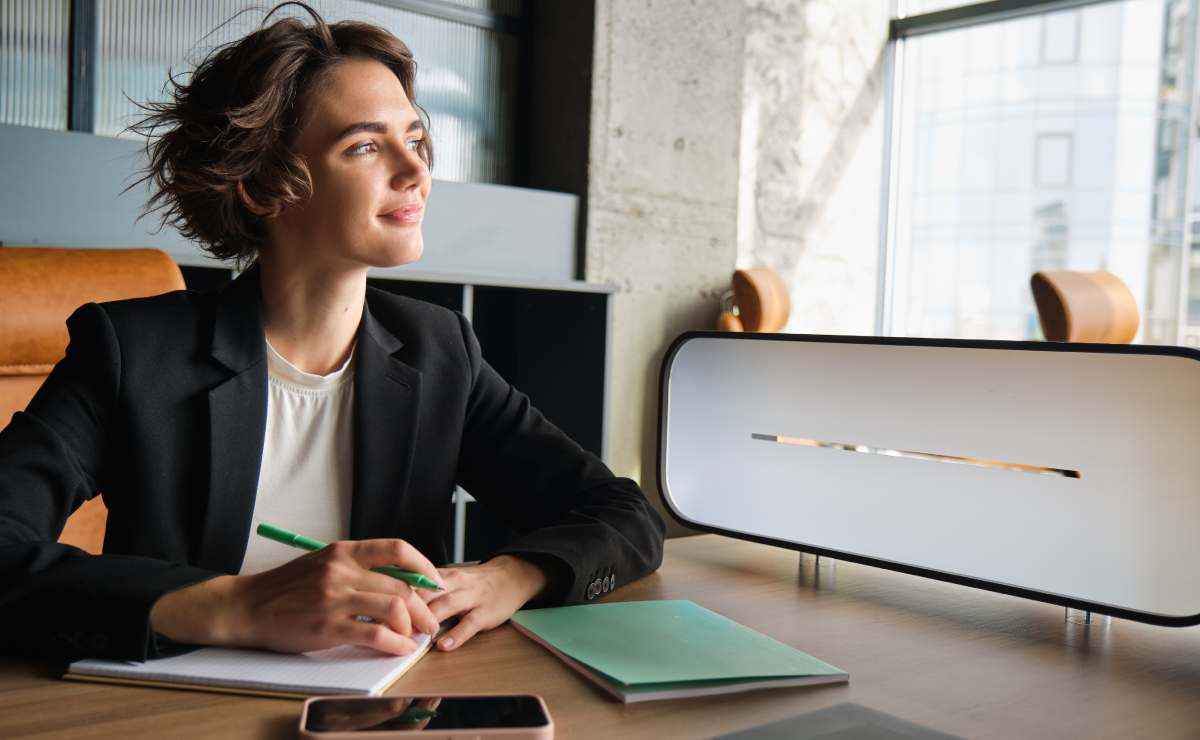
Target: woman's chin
{"type": "Point", "coordinates": [397, 257]}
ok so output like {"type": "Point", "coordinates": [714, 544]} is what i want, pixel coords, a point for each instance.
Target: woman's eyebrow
{"type": "Point", "coordinates": [375, 127]}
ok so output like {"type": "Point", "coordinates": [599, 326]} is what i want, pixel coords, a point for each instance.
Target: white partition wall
{"type": "Point", "coordinates": [1061, 472]}
{"type": "Point", "coordinates": [67, 189]}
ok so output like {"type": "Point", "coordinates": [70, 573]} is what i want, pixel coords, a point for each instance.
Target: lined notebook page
{"type": "Point", "coordinates": [340, 670]}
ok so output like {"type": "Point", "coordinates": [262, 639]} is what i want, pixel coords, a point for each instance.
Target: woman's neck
{"type": "Point", "coordinates": [310, 313]}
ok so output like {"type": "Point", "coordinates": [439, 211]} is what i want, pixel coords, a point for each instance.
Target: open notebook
{"type": "Point", "coordinates": [340, 670]}
{"type": "Point", "coordinates": [645, 650]}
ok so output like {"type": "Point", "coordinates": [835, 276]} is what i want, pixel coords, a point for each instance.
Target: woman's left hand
{"type": "Point", "coordinates": [483, 596]}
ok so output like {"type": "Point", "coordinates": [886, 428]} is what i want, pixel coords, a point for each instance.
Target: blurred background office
{"type": "Point", "coordinates": [903, 166]}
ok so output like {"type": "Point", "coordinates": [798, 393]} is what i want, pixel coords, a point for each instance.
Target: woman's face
{"type": "Point", "coordinates": [360, 141]}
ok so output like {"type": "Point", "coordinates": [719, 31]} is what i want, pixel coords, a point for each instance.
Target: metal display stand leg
{"type": "Point", "coordinates": [1086, 618]}
{"type": "Point", "coordinates": [824, 573]}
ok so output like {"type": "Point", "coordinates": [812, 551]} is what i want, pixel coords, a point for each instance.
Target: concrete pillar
{"type": "Point", "coordinates": [662, 193]}
{"type": "Point", "coordinates": [723, 133]}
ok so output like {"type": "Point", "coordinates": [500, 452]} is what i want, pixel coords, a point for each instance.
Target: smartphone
{"type": "Point", "coordinates": [459, 717]}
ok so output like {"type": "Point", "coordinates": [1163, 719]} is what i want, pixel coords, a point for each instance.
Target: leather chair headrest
{"type": "Point", "coordinates": [1084, 307]}
{"type": "Point", "coordinates": [41, 286]}
{"type": "Point", "coordinates": [762, 301]}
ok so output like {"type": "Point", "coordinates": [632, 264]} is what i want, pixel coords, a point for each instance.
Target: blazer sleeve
{"type": "Point", "coordinates": [57, 601]}
{"type": "Point", "coordinates": [589, 529]}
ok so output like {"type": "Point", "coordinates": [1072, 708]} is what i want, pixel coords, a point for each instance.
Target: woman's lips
{"type": "Point", "coordinates": [405, 215]}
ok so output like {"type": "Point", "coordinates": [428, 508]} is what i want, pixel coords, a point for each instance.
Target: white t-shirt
{"type": "Point", "coordinates": [305, 482]}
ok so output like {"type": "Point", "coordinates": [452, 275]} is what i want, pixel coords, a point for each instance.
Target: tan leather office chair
{"type": "Point", "coordinates": [758, 301]}
{"type": "Point", "coordinates": [1084, 307]}
{"type": "Point", "coordinates": [39, 288]}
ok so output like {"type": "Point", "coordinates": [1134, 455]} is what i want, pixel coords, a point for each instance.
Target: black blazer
{"type": "Point", "coordinates": [160, 405]}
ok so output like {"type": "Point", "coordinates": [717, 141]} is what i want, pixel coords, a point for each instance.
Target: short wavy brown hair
{"type": "Point", "coordinates": [235, 119]}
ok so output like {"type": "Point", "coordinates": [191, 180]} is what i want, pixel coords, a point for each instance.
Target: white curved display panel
{"type": "Point", "coordinates": [1065, 473]}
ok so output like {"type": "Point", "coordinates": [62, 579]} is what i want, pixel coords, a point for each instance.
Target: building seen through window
{"type": "Point", "coordinates": [1046, 142]}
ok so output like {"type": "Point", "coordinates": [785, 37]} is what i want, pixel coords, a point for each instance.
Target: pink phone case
{"type": "Point", "coordinates": [545, 732]}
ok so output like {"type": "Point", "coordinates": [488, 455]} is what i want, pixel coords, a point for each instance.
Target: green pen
{"type": "Point", "coordinates": [417, 714]}
{"type": "Point", "coordinates": [307, 543]}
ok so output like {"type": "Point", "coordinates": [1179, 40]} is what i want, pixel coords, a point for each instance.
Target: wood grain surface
{"type": "Point", "coordinates": [959, 660]}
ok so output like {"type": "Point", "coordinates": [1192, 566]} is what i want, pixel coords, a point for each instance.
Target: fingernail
{"type": "Point", "coordinates": [447, 643]}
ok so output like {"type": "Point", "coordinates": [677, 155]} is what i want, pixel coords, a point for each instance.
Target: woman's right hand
{"type": "Point", "coordinates": [310, 603]}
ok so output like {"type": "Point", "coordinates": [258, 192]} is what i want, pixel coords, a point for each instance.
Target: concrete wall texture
{"type": "Point", "coordinates": [662, 192]}
{"type": "Point", "coordinates": [728, 134]}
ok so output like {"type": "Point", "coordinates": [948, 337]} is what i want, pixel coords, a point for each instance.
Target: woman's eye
{"type": "Point", "coordinates": [364, 148]}
{"type": "Point", "coordinates": [413, 145]}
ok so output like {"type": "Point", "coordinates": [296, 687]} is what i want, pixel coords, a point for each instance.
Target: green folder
{"type": "Point", "coordinates": [643, 650]}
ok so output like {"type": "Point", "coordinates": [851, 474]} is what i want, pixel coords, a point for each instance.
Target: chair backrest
{"type": "Point", "coordinates": [40, 287]}
{"type": "Point", "coordinates": [1084, 307]}
{"type": "Point", "coordinates": [762, 301]}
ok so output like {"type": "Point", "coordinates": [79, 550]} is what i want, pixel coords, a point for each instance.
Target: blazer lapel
{"type": "Point", "coordinates": [387, 396]}
{"type": "Point", "coordinates": [237, 411]}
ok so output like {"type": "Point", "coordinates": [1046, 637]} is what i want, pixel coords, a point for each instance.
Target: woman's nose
{"type": "Point", "coordinates": [409, 171]}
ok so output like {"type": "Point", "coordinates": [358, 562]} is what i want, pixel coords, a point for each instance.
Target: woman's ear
{"type": "Point", "coordinates": [251, 204]}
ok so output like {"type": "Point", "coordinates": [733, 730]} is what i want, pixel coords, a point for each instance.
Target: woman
{"type": "Point", "coordinates": [295, 396]}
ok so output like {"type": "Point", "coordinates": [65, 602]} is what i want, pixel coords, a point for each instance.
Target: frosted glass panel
{"type": "Point", "coordinates": [503, 7]}
{"type": "Point", "coordinates": [33, 62]}
{"type": "Point", "coordinates": [466, 76]}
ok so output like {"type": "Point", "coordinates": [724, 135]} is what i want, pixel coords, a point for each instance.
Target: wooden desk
{"type": "Point", "coordinates": [960, 660]}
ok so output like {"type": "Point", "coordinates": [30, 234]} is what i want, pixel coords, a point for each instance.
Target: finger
{"type": "Point", "coordinates": [368, 580]}
{"type": "Point", "coordinates": [451, 580]}
{"type": "Point", "coordinates": [377, 636]}
{"type": "Point", "coordinates": [373, 553]}
{"type": "Point", "coordinates": [400, 704]}
{"type": "Point", "coordinates": [421, 617]}
{"type": "Point", "coordinates": [466, 628]}
{"type": "Point", "coordinates": [390, 609]}
{"type": "Point", "coordinates": [447, 579]}
{"type": "Point", "coordinates": [371, 714]}
{"type": "Point", "coordinates": [431, 703]}
{"type": "Point", "coordinates": [453, 603]}
{"type": "Point", "coordinates": [421, 614]}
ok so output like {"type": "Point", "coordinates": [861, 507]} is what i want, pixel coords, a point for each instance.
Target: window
{"type": "Point", "coordinates": [466, 50]}
{"type": "Point", "coordinates": [33, 62]}
{"type": "Point", "coordinates": [1053, 160]}
{"type": "Point", "coordinates": [1055, 139]}
{"type": "Point", "coordinates": [1060, 37]}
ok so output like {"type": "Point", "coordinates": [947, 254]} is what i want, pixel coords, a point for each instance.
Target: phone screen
{"type": "Point", "coordinates": [423, 713]}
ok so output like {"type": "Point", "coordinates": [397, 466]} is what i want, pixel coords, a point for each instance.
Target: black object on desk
{"type": "Point", "coordinates": [841, 722]}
